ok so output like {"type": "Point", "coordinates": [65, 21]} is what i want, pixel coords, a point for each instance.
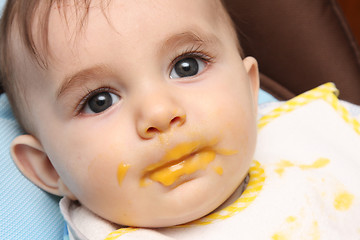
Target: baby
{"type": "Point", "coordinates": [143, 112]}
{"type": "Point", "coordinates": [139, 113]}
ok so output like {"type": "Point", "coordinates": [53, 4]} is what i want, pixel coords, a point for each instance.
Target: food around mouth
{"type": "Point", "coordinates": [183, 159]}
{"type": "Point", "coordinates": [168, 174]}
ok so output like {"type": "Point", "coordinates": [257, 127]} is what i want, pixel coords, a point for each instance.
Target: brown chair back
{"type": "Point", "coordinates": [299, 45]}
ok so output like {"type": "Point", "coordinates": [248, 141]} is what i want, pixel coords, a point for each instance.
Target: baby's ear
{"type": "Point", "coordinates": [251, 67]}
{"type": "Point", "coordinates": [31, 159]}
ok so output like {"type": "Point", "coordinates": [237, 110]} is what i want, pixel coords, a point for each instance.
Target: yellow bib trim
{"type": "Point", "coordinates": [327, 92]}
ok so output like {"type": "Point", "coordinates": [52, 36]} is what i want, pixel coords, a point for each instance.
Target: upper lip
{"type": "Point", "coordinates": [179, 153]}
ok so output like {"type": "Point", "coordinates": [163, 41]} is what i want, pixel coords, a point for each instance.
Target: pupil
{"type": "Point", "coordinates": [100, 102]}
{"type": "Point", "coordinates": [187, 67]}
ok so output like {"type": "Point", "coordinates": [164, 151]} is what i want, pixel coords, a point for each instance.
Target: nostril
{"type": "Point", "coordinates": [152, 130]}
{"type": "Point", "coordinates": [177, 120]}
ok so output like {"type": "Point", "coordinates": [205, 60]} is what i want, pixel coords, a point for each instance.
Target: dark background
{"type": "Point", "coordinates": [351, 9]}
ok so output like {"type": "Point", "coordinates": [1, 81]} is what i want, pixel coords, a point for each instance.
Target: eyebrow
{"type": "Point", "coordinates": [189, 37]}
{"type": "Point", "coordinates": [81, 77]}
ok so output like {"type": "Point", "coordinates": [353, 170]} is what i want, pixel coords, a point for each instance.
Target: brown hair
{"type": "Point", "coordinates": [20, 15]}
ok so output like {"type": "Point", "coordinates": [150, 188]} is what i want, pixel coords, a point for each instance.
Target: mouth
{"type": "Point", "coordinates": [179, 163]}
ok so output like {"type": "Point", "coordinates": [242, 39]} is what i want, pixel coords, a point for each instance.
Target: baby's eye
{"type": "Point", "coordinates": [99, 102]}
{"type": "Point", "coordinates": [187, 67]}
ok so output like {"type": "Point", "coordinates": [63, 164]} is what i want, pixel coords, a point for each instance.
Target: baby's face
{"type": "Point", "coordinates": [149, 114]}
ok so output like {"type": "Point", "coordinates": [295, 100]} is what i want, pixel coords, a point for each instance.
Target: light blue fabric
{"type": "Point", "coordinates": [2, 4]}
{"type": "Point", "coordinates": [265, 97]}
{"type": "Point", "coordinates": [26, 212]}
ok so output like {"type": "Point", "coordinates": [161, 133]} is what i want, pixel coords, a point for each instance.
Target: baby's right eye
{"type": "Point", "coordinates": [99, 102]}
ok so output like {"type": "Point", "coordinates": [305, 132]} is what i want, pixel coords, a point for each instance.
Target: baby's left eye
{"type": "Point", "coordinates": [187, 67]}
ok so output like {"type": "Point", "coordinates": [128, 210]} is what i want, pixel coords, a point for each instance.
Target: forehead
{"type": "Point", "coordinates": [129, 22]}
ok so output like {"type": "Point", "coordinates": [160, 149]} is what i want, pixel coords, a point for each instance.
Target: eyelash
{"type": "Point", "coordinates": [193, 51]}
{"type": "Point", "coordinates": [90, 93]}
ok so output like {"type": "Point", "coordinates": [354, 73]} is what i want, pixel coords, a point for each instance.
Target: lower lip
{"type": "Point", "coordinates": [168, 175]}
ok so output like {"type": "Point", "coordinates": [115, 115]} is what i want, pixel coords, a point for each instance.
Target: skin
{"type": "Point", "coordinates": [78, 154]}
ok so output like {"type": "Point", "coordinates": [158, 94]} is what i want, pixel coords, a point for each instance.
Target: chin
{"type": "Point", "coordinates": [186, 210]}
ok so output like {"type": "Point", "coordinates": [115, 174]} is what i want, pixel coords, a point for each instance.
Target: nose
{"type": "Point", "coordinates": [158, 114]}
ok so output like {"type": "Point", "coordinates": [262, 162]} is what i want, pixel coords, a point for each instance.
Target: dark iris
{"type": "Point", "coordinates": [187, 67]}
{"type": "Point", "coordinates": [100, 102]}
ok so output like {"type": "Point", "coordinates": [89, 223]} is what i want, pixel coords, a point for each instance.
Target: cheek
{"type": "Point", "coordinates": [233, 116]}
{"type": "Point", "coordinates": [101, 172]}
{"type": "Point", "coordinates": [228, 109]}
{"type": "Point", "coordinates": [87, 161]}
{"type": "Point", "coordinates": [96, 183]}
